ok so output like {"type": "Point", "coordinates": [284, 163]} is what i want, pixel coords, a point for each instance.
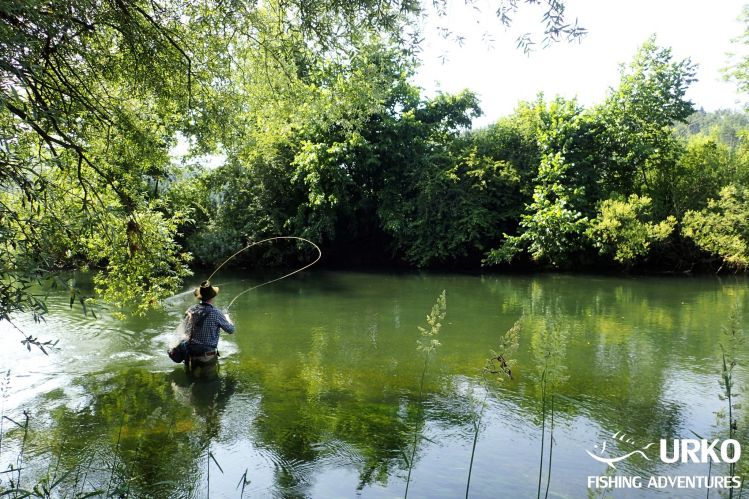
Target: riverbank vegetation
{"type": "Point", "coordinates": [150, 139]}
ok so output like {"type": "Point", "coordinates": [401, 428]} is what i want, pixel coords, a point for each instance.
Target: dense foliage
{"type": "Point", "coordinates": [554, 184]}
{"type": "Point", "coordinates": [311, 126]}
{"type": "Point", "coordinates": [96, 93]}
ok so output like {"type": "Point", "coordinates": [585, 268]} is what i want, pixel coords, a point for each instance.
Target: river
{"type": "Point", "coordinates": [318, 392]}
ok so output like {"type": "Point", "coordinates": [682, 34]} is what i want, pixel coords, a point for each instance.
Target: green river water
{"type": "Point", "coordinates": [317, 394]}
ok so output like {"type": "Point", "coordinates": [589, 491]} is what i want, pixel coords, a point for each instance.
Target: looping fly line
{"type": "Point", "coordinates": [319, 255]}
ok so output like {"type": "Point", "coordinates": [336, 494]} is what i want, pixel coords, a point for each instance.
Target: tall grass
{"type": "Point", "coordinates": [4, 393]}
{"type": "Point", "coordinates": [498, 368]}
{"type": "Point", "coordinates": [549, 348]}
{"type": "Point", "coordinates": [730, 348]}
{"type": "Point", "coordinates": [543, 431]}
{"type": "Point", "coordinates": [426, 343]}
{"type": "Point", "coordinates": [49, 484]}
{"type": "Point", "coordinates": [551, 446]}
{"type": "Point", "coordinates": [603, 493]}
{"type": "Point", "coordinates": [15, 469]}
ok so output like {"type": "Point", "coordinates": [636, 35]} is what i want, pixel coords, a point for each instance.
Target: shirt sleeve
{"type": "Point", "coordinates": [224, 323]}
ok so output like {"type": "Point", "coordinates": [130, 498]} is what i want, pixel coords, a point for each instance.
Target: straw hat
{"type": "Point", "coordinates": [205, 292]}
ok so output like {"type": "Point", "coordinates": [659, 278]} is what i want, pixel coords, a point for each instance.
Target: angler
{"type": "Point", "coordinates": [203, 323]}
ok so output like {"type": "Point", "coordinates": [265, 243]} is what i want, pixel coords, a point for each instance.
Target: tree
{"type": "Point", "coordinates": [553, 221]}
{"type": "Point", "coordinates": [622, 229]}
{"type": "Point", "coordinates": [311, 168]}
{"type": "Point", "coordinates": [721, 229]}
{"type": "Point", "coordinates": [83, 130]}
{"type": "Point", "coordinates": [95, 93]}
{"type": "Point", "coordinates": [739, 72]}
{"type": "Point", "coordinates": [726, 125]}
{"type": "Point", "coordinates": [637, 120]}
{"type": "Point", "coordinates": [375, 167]}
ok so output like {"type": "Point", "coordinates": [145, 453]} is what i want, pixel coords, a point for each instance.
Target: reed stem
{"type": "Point", "coordinates": [476, 426]}
{"type": "Point", "coordinates": [19, 461]}
{"type": "Point", "coordinates": [709, 473]}
{"type": "Point", "coordinates": [551, 447]}
{"type": "Point", "coordinates": [543, 431]}
{"type": "Point", "coordinates": [416, 428]}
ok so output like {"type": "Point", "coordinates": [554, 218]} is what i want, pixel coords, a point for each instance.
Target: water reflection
{"type": "Point", "coordinates": [207, 392]}
{"type": "Point", "coordinates": [319, 395]}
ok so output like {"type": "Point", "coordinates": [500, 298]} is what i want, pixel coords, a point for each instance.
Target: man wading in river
{"type": "Point", "coordinates": [202, 324]}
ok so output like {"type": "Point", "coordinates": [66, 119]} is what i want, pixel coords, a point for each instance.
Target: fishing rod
{"type": "Point", "coordinates": [319, 255]}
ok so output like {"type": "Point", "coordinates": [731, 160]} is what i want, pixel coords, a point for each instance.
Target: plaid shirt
{"type": "Point", "coordinates": [203, 324]}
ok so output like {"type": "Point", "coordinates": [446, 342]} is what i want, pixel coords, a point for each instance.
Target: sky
{"type": "Point", "coordinates": [503, 75]}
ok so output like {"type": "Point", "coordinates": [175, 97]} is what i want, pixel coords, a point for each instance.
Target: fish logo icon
{"type": "Point", "coordinates": [620, 437]}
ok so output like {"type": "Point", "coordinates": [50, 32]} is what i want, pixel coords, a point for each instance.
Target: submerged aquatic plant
{"type": "Point", "coordinates": [498, 368]}
{"type": "Point", "coordinates": [427, 343]}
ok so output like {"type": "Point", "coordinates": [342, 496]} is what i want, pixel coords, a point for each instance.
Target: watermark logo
{"type": "Point", "coordinates": [685, 450]}
{"type": "Point", "coordinates": [601, 456]}
{"type": "Point", "coordinates": [700, 451]}
{"type": "Point", "coordinates": [677, 450]}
